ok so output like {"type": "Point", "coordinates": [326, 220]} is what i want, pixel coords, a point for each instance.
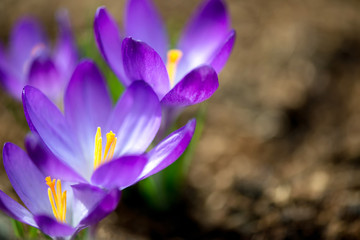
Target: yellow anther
{"type": "Point", "coordinates": [97, 149]}
{"type": "Point", "coordinates": [63, 200]}
{"type": "Point", "coordinates": [112, 149]}
{"type": "Point", "coordinates": [57, 199]}
{"type": "Point", "coordinates": [173, 58]}
{"type": "Point", "coordinates": [109, 142]}
{"type": "Point", "coordinates": [109, 148]}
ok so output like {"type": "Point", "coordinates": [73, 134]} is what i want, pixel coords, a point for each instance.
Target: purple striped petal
{"type": "Point", "coordinates": [87, 105]}
{"type": "Point", "coordinates": [108, 40]}
{"type": "Point", "coordinates": [143, 23]}
{"type": "Point", "coordinates": [203, 35]}
{"type": "Point", "coordinates": [44, 75]}
{"type": "Point", "coordinates": [103, 208]}
{"type": "Point", "coordinates": [43, 158]}
{"type": "Point", "coordinates": [28, 182]}
{"type": "Point", "coordinates": [168, 150]}
{"type": "Point", "coordinates": [119, 173]}
{"type": "Point", "coordinates": [141, 62]}
{"type": "Point", "coordinates": [46, 119]}
{"type": "Point", "coordinates": [26, 38]}
{"type": "Point", "coordinates": [66, 55]}
{"type": "Point", "coordinates": [221, 56]}
{"type": "Point", "coordinates": [14, 210]}
{"type": "Point", "coordinates": [195, 87]}
{"type": "Point", "coordinates": [51, 227]}
{"type": "Point", "coordinates": [135, 119]}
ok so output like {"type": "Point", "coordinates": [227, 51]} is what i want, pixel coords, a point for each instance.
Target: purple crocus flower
{"type": "Point", "coordinates": [57, 208]}
{"type": "Point", "coordinates": [31, 61]}
{"type": "Point", "coordinates": [180, 77]}
{"type": "Point", "coordinates": [75, 138]}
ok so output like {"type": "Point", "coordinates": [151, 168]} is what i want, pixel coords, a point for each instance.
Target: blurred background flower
{"type": "Point", "coordinates": [30, 59]}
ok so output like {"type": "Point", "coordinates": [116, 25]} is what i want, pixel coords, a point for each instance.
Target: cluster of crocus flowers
{"type": "Point", "coordinates": [75, 137]}
{"type": "Point", "coordinates": [81, 155]}
{"type": "Point", "coordinates": [30, 60]}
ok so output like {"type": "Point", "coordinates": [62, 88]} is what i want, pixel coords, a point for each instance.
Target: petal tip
{"type": "Point", "coordinates": [100, 10]}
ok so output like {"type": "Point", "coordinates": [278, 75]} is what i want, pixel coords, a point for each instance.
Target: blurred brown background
{"type": "Point", "coordinates": [280, 154]}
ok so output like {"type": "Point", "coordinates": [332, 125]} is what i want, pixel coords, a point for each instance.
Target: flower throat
{"type": "Point", "coordinates": [173, 58]}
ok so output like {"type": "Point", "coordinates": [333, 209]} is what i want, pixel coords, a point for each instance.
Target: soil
{"type": "Point", "coordinates": [279, 157]}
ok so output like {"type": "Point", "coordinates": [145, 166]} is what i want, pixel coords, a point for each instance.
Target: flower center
{"type": "Point", "coordinates": [57, 199]}
{"type": "Point", "coordinates": [109, 148]}
{"type": "Point", "coordinates": [35, 51]}
{"type": "Point", "coordinates": [173, 58]}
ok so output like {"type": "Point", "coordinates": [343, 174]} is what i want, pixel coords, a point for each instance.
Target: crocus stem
{"type": "Point", "coordinates": [169, 115]}
{"type": "Point", "coordinates": [91, 233]}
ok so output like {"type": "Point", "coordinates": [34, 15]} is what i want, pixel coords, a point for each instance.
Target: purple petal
{"type": "Point", "coordinates": [143, 23]}
{"type": "Point", "coordinates": [87, 195]}
{"type": "Point", "coordinates": [25, 39]}
{"type": "Point", "coordinates": [11, 84]}
{"type": "Point", "coordinates": [43, 158]}
{"type": "Point", "coordinates": [87, 105]}
{"type": "Point", "coordinates": [8, 79]}
{"type": "Point", "coordinates": [28, 182]}
{"type": "Point", "coordinates": [195, 87]}
{"type": "Point", "coordinates": [119, 173]}
{"type": "Point", "coordinates": [168, 150]}
{"type": "Point", "coordinates": [222, 54]}
{"type": "Point", "coordinates": [51, 227]}
{"type": "Point", "coordinates": [14, 210]}
{"type": "Point", "coordinates": [46, 119]}
{"type": "Point", "coordinates": [104, 208]}
{"type": "Point", "coordinates": [135, 119]}
{"type": "Point", "coordinates": [108, 39]}
{"type": "Point", "coordinates": [66, 55]}
{"type": "Point", "coordinates": [141, 62]}
{"type": "Point", "coordinates": [203, 35]}
{"type": "Point", "coordinates": [45, 76]}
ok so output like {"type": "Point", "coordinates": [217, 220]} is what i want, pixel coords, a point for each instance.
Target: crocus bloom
{"type": "Point", "coordinates": [31, 61]}
{"type": "Point", "coordinates": [180, 77]}
{"type": "Point", "coordinates": [77, 140]}
{"type": "Point", "coordinates": [55, 207]}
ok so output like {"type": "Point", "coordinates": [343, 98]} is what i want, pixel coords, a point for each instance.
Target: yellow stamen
{"type": "Point", "coordinates": [97, 149]}
{"type": "Point", "coordinates": [57, 199]}
{"type": "Point", "coordinates": [173, 58]}
{"type": "Point", "coordinates": [64, 206]}
{"type": "Point", "coordinates": [109, 148]}
{"type": "Point", "coordinates": [109, 141]}
{"type": "Point", "coordinates": [52, 204]}
{"type": "Point", "coordinates": [112, 149]}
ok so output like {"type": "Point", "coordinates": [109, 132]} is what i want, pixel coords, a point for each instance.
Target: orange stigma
{"type": "Point", "coordinates": [109, 148]}
{"type": "Point", "coordinates": [173, 58]}
{"type": "Point", "coordinates": [57, 199]}
{"type": "Point", "coordinates": [37, 48]}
